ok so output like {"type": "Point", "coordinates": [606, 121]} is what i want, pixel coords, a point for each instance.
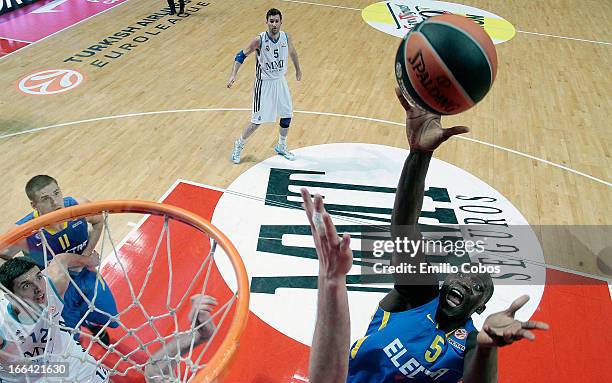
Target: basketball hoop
{"type": "Point", "coordinates": [216, 355]}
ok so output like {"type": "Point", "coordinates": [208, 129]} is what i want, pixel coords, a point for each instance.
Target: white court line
{"type": "Point", "coordinates": [579, 273]}
{"type": "Point", "coordinates": [567, 38]}
{"type": "Point", "coordinates": [61, 30]}
{"type": "Point", "coordinates": [198, 184]}
{"type": "Point", "coordinates": [120, 116]}
{"type": "Point", "coordinates": [136, 225]}
{"type": "Point", "coordinates": [537, 159]}
{"type": "Point", "coordinates": [300, 378]}
{"type": "Point", "coordinates": [12, 39]}
{"type": "Point", "coordinates": [302, 112]}
{"type": "Point", "coordinates": [610, 290]}
{"type": "Point", "coordinates": [526, 32]}
{"type": "Point", "coordinates": [321, 5]}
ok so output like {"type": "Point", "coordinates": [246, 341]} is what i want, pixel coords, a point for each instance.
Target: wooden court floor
{"type": "Point", "coordinates": [159, 112]}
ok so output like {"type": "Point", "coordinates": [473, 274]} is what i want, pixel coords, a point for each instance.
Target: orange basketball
{"type": "Point", "coordinates": [446, 64]}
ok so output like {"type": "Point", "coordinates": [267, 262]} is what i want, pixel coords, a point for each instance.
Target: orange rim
{"type": "Point", "coordinates": [223, 356]}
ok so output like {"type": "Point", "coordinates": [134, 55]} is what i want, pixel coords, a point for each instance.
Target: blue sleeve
{"type": "Point", "coordinates": [70, 201]}
{"type": "Point", "coordinates": [469, 326]}
{"type": "Point", "coordinates": [376, 321]}
{"type": "Point", "coordinates": [25, 219]}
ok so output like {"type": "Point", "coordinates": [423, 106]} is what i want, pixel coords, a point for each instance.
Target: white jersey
{"type": "Point", "coordinates": [43, 342]}
{"type": "Point", "coordinates": [272, 57]}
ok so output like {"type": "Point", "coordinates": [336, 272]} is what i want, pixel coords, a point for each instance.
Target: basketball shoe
{"type": "Point", "coordinates": [282, 150]}
{"type": "Point", "coordinates": [238, 146]}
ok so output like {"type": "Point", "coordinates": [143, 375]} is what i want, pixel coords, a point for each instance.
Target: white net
{"type": "Point", "coordinates": [154, 310]}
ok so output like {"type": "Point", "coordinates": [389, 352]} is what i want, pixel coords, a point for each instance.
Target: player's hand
{"type": "Point", "coordinates": [335, 254]}
{"type": "Point", "coordinates": [231, 81]}
{"type": "Point", "coordinates": [92, 260]}
{"type": "Point", "coordinates": [87, 253]}
{"type": "Point", "coordinates": [298, 75]}
{"type": "Point", "coordinates": [201, 308]}
{"type": "Point", "coordinates": [423, 129]}
{"type": "Point", "coordinates": [501, 329]}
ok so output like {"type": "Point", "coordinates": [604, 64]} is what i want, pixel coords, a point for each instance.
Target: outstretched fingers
{"type": "Point", "coordinates": [535, 325]}
{"type": "Point", "coordinates": [345, 245]}
{"type": "Point", "coordinates": [405, 104]}
{"type": "Point", "coordinates": [307, 204]}
{"type": "Point", "coordinates": [206, 300]}
{"type": "Point", "coordinates": [203, 302]}
{"type": "Point", "coordinates": [330, 231]}
{"type": "Point", "coordinates": [310, 207]}
{"type": "Point", "coordinates": [455, 130]}
{"type": "Point", "coordinates": [315, 212]}
{"type": "Point", "coordinates": [517, 304]}
{"type": "Point", "coordinates": [525, 334]}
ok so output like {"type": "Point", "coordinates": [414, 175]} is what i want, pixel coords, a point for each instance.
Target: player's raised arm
{"type": "Point", "coordinates": [12, 250]}
{"type": "Point", "coordinates": [294, 57]}
{"type": "Point", "coordinates": [241, 56]}
{"type": "Point", "coordinates": [425, 134]}
{"type": "Point", "coordinates": [330, 345]}
{"type": "Point", "coordinates": [57, 269]}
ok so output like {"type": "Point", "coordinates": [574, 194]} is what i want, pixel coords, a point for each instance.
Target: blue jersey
{"type": "Point", "coordinates": [407, 346]}
{"type": "Point", "coordinates": [72, 238]}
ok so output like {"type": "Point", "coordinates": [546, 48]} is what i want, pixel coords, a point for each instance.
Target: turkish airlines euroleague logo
{"type": "Point", "coordinates": [52, 81]}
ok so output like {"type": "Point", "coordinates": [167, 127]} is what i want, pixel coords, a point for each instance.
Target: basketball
{"type": "Point", "coordinates": [446, 64]}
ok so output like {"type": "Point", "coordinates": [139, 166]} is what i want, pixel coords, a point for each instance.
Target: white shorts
{"type": "Point", "coordinates": [271, 99]}
{"type": "Point", "coordinates": [82, 366]}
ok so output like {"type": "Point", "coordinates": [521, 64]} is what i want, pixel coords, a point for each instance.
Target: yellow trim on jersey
{"type": "Point", "coordinates": [385, 319]}
{"type": "Point", "coordinates": [383, 324]}
{"type": "Point", "coordinates": [357, 345]}
{"type": "Point", "coordinates": [51, 231]}
{"type": "Point", "coordinates": [438, 326]}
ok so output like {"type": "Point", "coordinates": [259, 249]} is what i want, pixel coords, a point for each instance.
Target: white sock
{"type": "Point", "coordinates": [282, 140]}
{"type": "Point", "coordinates": [241, 141]}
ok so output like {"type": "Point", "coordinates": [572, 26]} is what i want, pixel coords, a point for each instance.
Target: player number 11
{"type": "Point", "coordinates": [64, 241]}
